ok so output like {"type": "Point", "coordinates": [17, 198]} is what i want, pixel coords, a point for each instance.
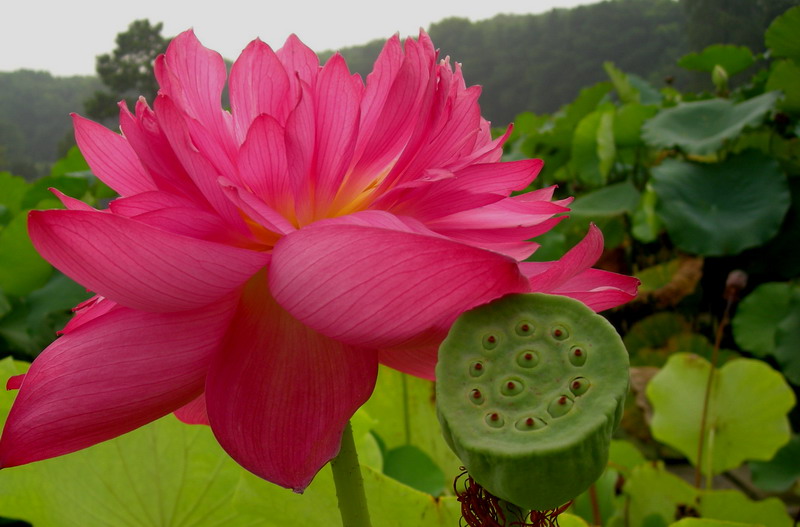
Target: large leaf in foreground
{"type": "Point", "coordinates": [703, 127]}
{"type": "Point", "coordinates": [746, 417]}
{"type": "Point", "coordinates": [724, 208]}
{"type": "Point", "coordinates": [171, 474]}
{"type": "Point", "coordinates": [164, 474]}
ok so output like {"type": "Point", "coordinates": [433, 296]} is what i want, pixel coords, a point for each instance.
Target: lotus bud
{"type": "Point", "coordinates": [529, 389]}
{"type": "Point", "coordinates": [719, 76]}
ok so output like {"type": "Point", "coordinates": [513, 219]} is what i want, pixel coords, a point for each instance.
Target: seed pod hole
{"type": "Point", "coordinates": [577, 355]}
{"type": "Point", "coordinates": [579, 385]}
{"type": "Point", "coordinates": [512, 386]}
{"type": "Point", "coordinates": [476, 396]}
{"type": "Point", "coordinates": [495, 420]}
{"type": "Point", "coordinates": [477, 369]}
{"type": "Point", "coordinates": [490, 341]}
{"type": "Point", "coordinates": [560, 406]}
{"type": "Point", "coordinates": [524, 328]}
{"type": "Point", "coordinates": [560, 333]}
{"type": "Point", "coordinates": [529, 423]}
{"type": "Point", "coordinates": [528, 358]}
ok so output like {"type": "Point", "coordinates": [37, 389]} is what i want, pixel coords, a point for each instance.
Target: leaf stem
{"type": "Point", "coordinates": [349, 484]}
{"type": "Point", "coordinates": [597, 518]}
{"type": "Point", "coordinates": [735, 283]}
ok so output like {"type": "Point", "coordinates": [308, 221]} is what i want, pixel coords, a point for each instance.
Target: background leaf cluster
{"type": "Point", "coordinates": [686, 187]}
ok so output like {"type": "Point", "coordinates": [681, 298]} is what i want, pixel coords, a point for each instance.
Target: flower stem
{"type": "Point", "coordinates": [349, 485]}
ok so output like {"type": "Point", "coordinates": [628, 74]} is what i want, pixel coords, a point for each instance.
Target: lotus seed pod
{"type": "Point", "coordinates": [529, 389]}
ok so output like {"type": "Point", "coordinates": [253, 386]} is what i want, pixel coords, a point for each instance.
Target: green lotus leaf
{"type": "Point", "coordinates": [165, 473]}
{"type": "Point", "coordinates": [658, 276]}
{"type": "Point", "coordinates": [619, 198]}
{"type": "Point", "coordinates": [704, 522]}
{"type": "Point", "coordinates": [72, 163]}
{"type": "Point", "coordinates": [656, 496]}
{"type": "Point", "coordinates": [593, 148]}
{"type": "Point", "coordinates": [391, 503]}
{"type": "Point", "coordinates": [404, 411]}
{"type": "Point", "coordinates": [703, 127]}
{"type": "Point", "coordinates": [648, 94]}
{"type": "Point", "coordinates": [781, 472]}
{"type": "Point", "coordinates": [787, 337]}
{"type": "Point", "coordinates": [8, 368]}
{"type": "Point", "coordinates": [410, 465]}
{"type": "Point", "coordinates": [73, 186]}
{"type": "Point", "coordinates": [628, 123]}
{"type": "Point", "coordinates": [12, 190]}
{"type": "Point", "coordinates": [626, 92]}
{"type": "Point", "coordinates": [654, 331]}
{"type": "Point", "coordinates": [785, 77]}
{"type": "Point", "coordinates": [733, 59]}
{"type": "Point", "coordinates": [733, 506]}
{"type": "Point", "coordinates": [171, 474]}
{"type": "Point", "coordinates": [585, 103]}
{"type": "Point", "coordinates": [758, 316]}
{"type": "Point", "coordinates": [624, 456]}
{"type": "Point", "coordinates": [22, 270]}
{"type": "Point", "coordinates": [746, 417]}
{"type": "Point", "coordinates": [646, 224]}
{"type": "Point", "coordinates": [723, 208]}
{"type": "Point", "coordinates": [781, 36]}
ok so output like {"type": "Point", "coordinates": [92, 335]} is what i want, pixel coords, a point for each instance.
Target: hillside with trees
{"type": "Point", "coordinates": [34, 117]}
{"type": "Point", "coordinates": [524, 63]}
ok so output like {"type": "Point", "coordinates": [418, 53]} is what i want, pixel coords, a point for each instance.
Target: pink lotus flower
{"type": "Point", "coordinates": [260, 263]}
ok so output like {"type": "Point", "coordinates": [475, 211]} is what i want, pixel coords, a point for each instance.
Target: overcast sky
{"type": "Point", "coordinates": [65, 36]}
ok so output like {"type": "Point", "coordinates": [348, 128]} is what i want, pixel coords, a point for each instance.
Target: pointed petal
{"type": "Point", "coordinates": [549, 276]}
{"type": "Point", "coordinates": [194, 413]}
{"type": "Point", "coordinates": [202, 171]}
{"type": "Point", "coordinates": [145, 136]}
{"type": "Point", "coordinates": [279, 394]}
{"type": "Point", "coordinates": [299, 60]}
{"type": "Point", "coordinates": [70, 202]}
{"type": "Point", "coordinates": [379, 287]}
{"type": "Point", "coordinates": [194, 76]}
{"type": "Point", "coordinates": [389, 112]}
{"type": "Point", "coordinates": [137, 265]}
{"type": "Point", "coordinates": [259, 85]}
{"type": "Point", "coordinates": [88, 310]}
{"type": "Point", "coordinates": [15, 382]}
{"type": "Point", "coordinates": [336, 103]}
{"type": "Point", "coordinates": [300, 137]}
{"type": "Point", "coordinates": [598, 289]}
{"type": "Point", "coordinates": [111, 158]}
{"type": "Point", "coordinates": [110, 376]}
{"type": "Point", "coordinates": [572, 276]}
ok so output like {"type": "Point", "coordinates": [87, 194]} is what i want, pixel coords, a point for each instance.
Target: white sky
{"type": "Point", "coordinates": [65, 36]}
